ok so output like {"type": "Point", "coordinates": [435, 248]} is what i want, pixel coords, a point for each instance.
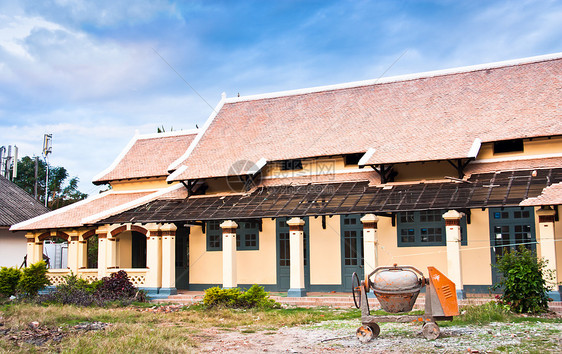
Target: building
{"type": "Point", "coordinates": [298, 190]}
{"type": "Point", "coordinates": [15, 206]}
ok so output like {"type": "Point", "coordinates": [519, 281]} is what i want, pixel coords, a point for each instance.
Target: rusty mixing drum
{"type": "Point", "coordinates": [397, 288]}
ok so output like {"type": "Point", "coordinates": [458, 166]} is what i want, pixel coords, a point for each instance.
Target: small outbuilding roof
{"type": "Point", "coordinates": [16, 205]}
{"type": "Point", "coordinates": [429, 116]}
{"type": "Point", "coordinates": [551, 195]}
{"type": "Point", "coordinates": [97, 207]}
{"type": "Point", "coordinates": [147, 156]}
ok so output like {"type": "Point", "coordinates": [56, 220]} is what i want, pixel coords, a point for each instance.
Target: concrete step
{"type": "Point", "coordinates": [329, 301]}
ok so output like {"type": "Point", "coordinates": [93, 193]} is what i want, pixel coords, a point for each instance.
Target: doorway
{"type": "Point", "coordinates": [138, 245]}
{"type": "Point", "coordinates": [352, 249]}
{"type": "Point", "coordinates": [182, 257]}
{"type": "Point", "coordinates": [510, 228]}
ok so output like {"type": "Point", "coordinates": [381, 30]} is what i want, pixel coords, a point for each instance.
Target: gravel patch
{"type": "Point", "coordinates": [339, 336]}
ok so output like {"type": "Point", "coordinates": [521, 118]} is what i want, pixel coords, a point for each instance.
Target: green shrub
{"type": "Point", "coordinates": [33, 279]}
{"type": "Point", "coordinates": [256, 296]}
{"type": "Point", "coordinates": [216, 296]}
{"type": "Point", "coordinates": [9, 278]}
{"type": "Point", "coordinates": [74, 291]}
{"type": "Point", "coordinates": [523, 282]}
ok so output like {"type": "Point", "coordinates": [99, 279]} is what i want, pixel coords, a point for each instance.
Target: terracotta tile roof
{"type": "Point", "coordinates": [370, 176]}
{"type": "Point", "coordinates": [551, 195]}
{"type": "Point", "coordinates": [98, 207]}
{"type": "Point", "coordinates": [72, 215]}
{"type": "Point", "coordinates": [147, 156]}
{"type": "Point", "coordinates": [522, 164]}
{"type": "Point", "coordinates": [16, 205]}
{"type": "Point", "coordinates": [416, 118]}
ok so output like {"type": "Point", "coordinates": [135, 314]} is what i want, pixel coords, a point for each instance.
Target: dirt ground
{"type": "Point", "coordinates": [538, 335]}
{"type": "Point", "coordinates": [339, 337]}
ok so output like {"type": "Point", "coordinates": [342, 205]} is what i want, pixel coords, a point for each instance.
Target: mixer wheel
{"type": "Point", "coordinates": [375, 328]}
{"type": "Point", "coordinates": [431, 330]}
{"type": "Point", "coordinates": [365, 334]}
{"type": "Point", "coordinates": [356, 290]}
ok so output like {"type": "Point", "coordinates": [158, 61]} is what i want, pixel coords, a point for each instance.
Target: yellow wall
{"type": "Point", "coordinates": [224, 185]}
{"type": "Point", "coordinates": [419, 257]}
{"type": "Point", "coordinates": [558, 242]}
{"type": "Point", "coordinates": [475, 256]}
{"type": "Point", "coordinates": [428, 170]}
{"type": "Point", "coordinates": [538, 146]}
{"type": "Point", "coordinates": [260, 266]}
{"type": "Point", "coordinates": [253, 266]}
{"type": "Point", "coordinates": [325, 251]}
{"type": "Point", "coordinates": [204, 267]}
{"type": "Point", "coordinates": [140, 184]}
{"type": "Point", "coordinates": [125, 249]}
{"type": "Point", "coordinates": [311, 166]}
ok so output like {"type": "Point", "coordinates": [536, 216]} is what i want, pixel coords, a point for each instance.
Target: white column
{"type": "Point", "coordinates": [111, 251]}
{"type": "Point", "coordinates": [168, 259]}
{"type": "Point", "coordinates": [370, 243]}
{"type": "Point", "coordinates": [229, 275]}
{"type": "Point", "coordinates": [453, 235]}
{"type": "Point", "coordinates": [73, 252]}
{"type": "Point", "coordinates": [154, 259]}
{"type": "Point", "coordinates": [296, 236]}
{"type": "Point", "coordinates": [38, 251]}
{"type": "Point", "coordinates": [30, 248]}
{"type": "Point", "coordinates": [82, 253]}
{"type": "Point", "coordinates": [547, 246]}
{"type": "Point", "coordinates": [102, 253]}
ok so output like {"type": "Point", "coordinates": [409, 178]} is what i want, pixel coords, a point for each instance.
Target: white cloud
{"type": "Point", "coordinates": [87, 139]}
{"type": "Point", "coordinates": [101, 12]}
{"type": "Point", "coordinates": [55, 64]}
{"type": "Point", "coordinates": [16, 29]}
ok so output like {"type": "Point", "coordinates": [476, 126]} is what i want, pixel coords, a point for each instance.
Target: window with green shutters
{"type": "Point", "coordinates": [214, 236]}
{"type": "Point", "coordinates": [247, 235]}
{"type": "Point", "coordinates": [424, 228]}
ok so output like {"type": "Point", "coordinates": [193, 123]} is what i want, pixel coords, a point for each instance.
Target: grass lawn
{"type": "Point", "coordinates": [133, 329]}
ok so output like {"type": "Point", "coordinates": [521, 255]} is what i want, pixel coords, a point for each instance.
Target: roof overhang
{"type": "Point", "coordinates": [479, 191]}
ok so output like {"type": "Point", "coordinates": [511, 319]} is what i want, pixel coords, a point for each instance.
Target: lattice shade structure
{"type": "Point", "coordinates": [479, 191]}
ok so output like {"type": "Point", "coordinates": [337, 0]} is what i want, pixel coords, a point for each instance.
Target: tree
{"type": "Point", "coordinates": [524, 281]}
{"type": "Point", "coordinates": [163, 130]}
{"type": "Point", "coordinates": [60, 194]}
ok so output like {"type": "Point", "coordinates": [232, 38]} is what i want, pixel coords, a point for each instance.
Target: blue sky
{"type": "Point", "coordinates": [87, 71]}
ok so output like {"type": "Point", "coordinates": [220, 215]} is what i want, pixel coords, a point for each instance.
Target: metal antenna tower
{"type": "Point", "coordinates": [47, 149]}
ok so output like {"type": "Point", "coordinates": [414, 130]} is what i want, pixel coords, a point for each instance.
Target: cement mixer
{"type": "Point", "coordinates": [397, 289]}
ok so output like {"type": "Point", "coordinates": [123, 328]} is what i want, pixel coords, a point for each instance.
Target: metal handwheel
{"type": "Point", "coordinates": [356, 290]}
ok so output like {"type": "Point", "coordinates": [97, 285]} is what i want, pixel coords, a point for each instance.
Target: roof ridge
{"type": "Point", "coordinates": [398, 78]}
{"type": "Point", "coordinates": [175, 164]}
{"type": "Point", "coordinates": [168, 134]}
{"type": "Point", "coordinates": [99, 177]}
